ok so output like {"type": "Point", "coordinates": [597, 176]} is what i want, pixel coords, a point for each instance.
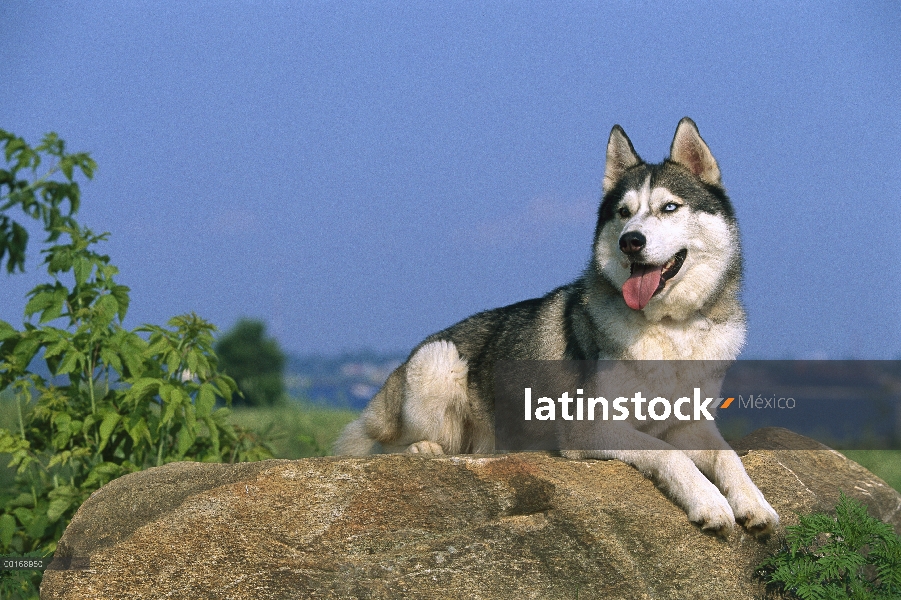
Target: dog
{"type": "Point", "coordinates": [662, 284]}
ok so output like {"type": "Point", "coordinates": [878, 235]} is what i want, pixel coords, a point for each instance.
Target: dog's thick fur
{"type": "Point", "coordinates": [662, 283]}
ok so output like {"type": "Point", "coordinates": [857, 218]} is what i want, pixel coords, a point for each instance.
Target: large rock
{"type": "Point", "coordinates": [400, 526]}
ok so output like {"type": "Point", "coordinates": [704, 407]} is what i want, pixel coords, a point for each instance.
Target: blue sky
{"type": "Point", "coordinates": [364, 174]}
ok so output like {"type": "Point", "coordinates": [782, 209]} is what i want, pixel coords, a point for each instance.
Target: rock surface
{"type": "Point", "coordinates": [524, 525]}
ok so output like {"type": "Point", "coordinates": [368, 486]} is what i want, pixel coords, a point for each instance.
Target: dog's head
{"type": "Point", "coordinates": [666, 233]}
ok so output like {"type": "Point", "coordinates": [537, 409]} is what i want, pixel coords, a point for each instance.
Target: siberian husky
{"type": "Point", "coordinates": [662, 284]}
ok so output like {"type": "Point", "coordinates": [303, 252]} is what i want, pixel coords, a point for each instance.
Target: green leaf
{"type": "Point", "coordinates": [59, 459]}
{"type": "Point", "coordinates": [206, 400]}
{"type": "Point", "coordinates": [830, 556]}
{"type": "Point", "coordinates": [62, 420]}
{"type": "Point", "coordinates": [101, 474]}
{"type": "Point", "coordinates": [168, 414]}
{"type": "Point", "coordinates": [63, 431]}
{"type": "Point", "coordinates": [111, 359]}
{"type": "Point", "coordinates": [87, 164]}
{"type": "Point", "coordinates": [66, 165]}
{"type": "Point", "coordinates": [70, 362]}
{"type": "Point", "coordinates": [57, 507]}
{"type": "Point", "coordinates": [137, 428]}
{"type": "Point", "coordinates": [83, 268]}
{"type": "Point", "coordinates": [173, 360]}
{"type": "Point", "coordinates": [54, 308]}
{"type": "Point", "coordinates": [133, 358]}
{"type": "Point", "coordinates": [226, 386]}
{"type": "Point", "coordinates": [186, 439]}
{"type": "Point", "coordinates": [12, 444]}
{"type": "Point", "coordinates": [89, 420]}
{"type": "Point", "coordinates": [25, 515]}
{"type": "Point", "coordinates": [7, 331]}
{"type": "Point", "coordinates": [157, 346]}
{"type": "Point", "coordinates": [180, 397]}
{"type": "Point", "coordinates": [192, 360]}
{"type": "Point", "coordinates": [25, 350]}
{"type": "Point", "coordinates": [105, 310]}
{"type": "Point", "coordinates": [57, 348]}
{"type": "Point", "coordinates": [60, 260]}
{"type": "Point", "coordinates": [110, 420]}
{"type": "Point", "coordinates": [7, 529]}
{"type": "Point", "coordinates": [120, 293]}
{"type": "Point", "coordinates": [144, 387]}
{"type": "Point", "coordinates": [37, 526]}
{"type": "Point", "coordinates": [166, 393]}
{"type": "Point", "coordinates": [23, 499]}
{"type": "Point", "coordinates": [202, 369]}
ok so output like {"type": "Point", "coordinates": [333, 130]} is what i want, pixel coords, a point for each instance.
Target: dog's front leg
{"type": "Point", "coordinates": [725, 469]}
{"type": "Point", "coordinates": [705, 446]}
{"type": "Point", "coordinates": [671, 469]}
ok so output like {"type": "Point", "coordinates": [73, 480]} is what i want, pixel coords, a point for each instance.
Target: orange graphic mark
{"type": "Point", "coordinates": [727, 403]}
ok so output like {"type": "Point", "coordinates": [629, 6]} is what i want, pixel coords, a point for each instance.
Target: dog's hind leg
{"type": "Point", "coordinates": [422, 408]}
{"type": "Point", "coordinates": [380, 423]}
{"type": "Point", "coordinates": [435, 408]}
{"type": "Point", "coordinates": [354, 441]}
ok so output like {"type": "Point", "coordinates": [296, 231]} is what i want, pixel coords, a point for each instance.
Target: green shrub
{"type": "Point", "coordinates": [117, 401]}
{"type": "Point", "coordinates": [848, 556]}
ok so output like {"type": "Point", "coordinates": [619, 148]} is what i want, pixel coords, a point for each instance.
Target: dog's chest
{"type": "Point", "coordinates": [692, 339]}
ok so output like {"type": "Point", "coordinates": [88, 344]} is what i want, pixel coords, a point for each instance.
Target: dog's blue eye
{"type": "Point", "coordinates": [670, 207]}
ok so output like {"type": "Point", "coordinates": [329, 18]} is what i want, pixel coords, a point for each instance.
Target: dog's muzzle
{"type": "Point", "coordinates": [646, 280]}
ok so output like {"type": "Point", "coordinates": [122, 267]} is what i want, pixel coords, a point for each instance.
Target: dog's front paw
{"type": "Point", "coordinates": [712, 513]}
{"type": "Point", "coordinates": [425, 447]}
{"type": "Point", "coordinates": [754, 513]}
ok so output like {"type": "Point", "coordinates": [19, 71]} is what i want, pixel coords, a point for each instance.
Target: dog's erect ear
{"type": "Point", "coordinates": [620, 157]}
{"type": "Point", "coordinates": [690, 151]}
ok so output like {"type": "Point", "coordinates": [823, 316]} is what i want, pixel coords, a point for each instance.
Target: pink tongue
{"type": "Point", "coordinates": [641, 285]}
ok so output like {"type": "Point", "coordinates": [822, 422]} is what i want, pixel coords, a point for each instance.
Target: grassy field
{"type": "Point", "coordinates": [296, 430]}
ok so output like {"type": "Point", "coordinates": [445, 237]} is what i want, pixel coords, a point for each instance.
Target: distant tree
{"type": "Point", "coordinates": [255, 362]}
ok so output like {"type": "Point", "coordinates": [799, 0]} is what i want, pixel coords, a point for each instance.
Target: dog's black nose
{"type": "Point", "coordinates": [632, 242]}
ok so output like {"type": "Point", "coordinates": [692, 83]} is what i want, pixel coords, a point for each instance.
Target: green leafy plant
{"type": "Point", "coordinates": [116, 401]}
{"type": "Point", "coordinates": [847, 556]}
{"type": "Point", "coordinates": [41, 198]}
